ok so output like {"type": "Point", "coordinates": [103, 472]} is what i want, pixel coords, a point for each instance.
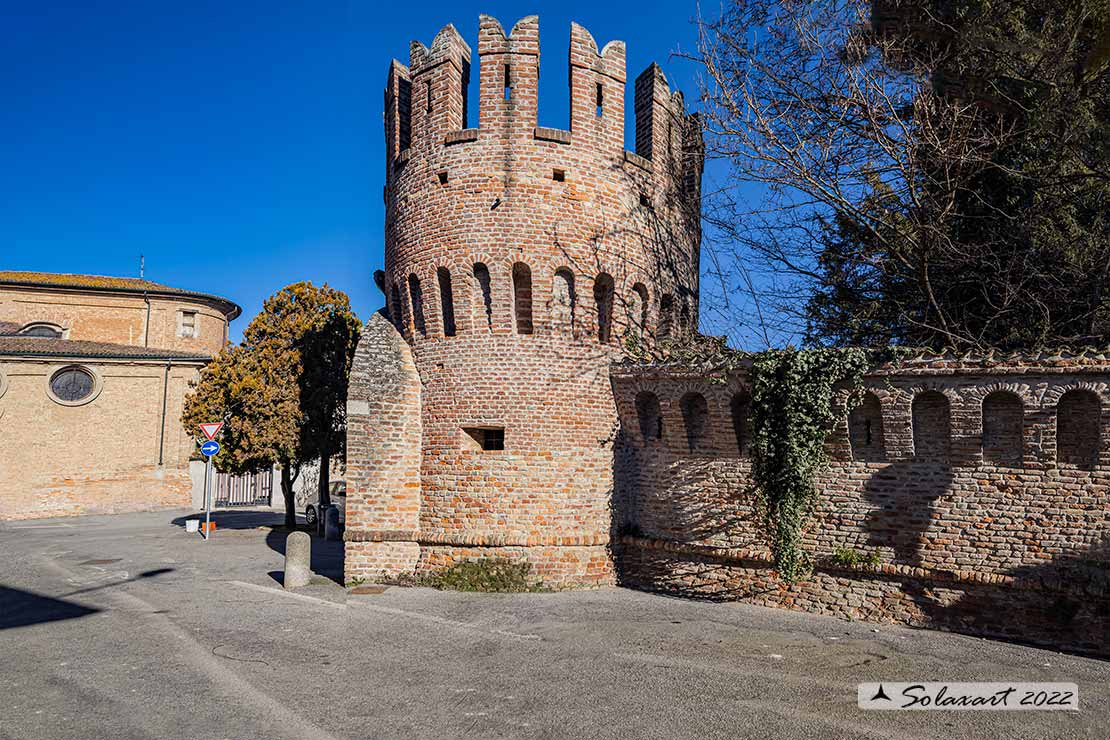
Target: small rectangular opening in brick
{"type": "Point", "coordinates": [442, 178]}
{"type": "Point", "coordinates": [645, 200]}
{"type": "Point", "coordinates": [486, 439]}
{"type": "Point", "coordinates": [559, 175]}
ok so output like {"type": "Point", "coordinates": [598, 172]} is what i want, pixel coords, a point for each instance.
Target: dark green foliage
{"type": "Point", "coordinates": [281, 392]}
{"type": "Point", "coordinates": [1022, 255]}
{"type": "Point", "coordinates": [792, 411]}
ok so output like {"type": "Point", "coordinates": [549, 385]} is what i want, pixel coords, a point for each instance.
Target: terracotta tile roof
{"type": "Point", "coordinates": [20, 346]}
{"type": "Point", "coordinates": [107, 283]}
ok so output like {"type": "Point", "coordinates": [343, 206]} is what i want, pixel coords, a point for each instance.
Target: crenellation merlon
{"type": "Point", "coordinates": [447, 46]}
{"type": "Point", "coordinates": [440, 75]}
{"type": "Point", "coordinates": [597, 81]}
{"type": "Point", "coordinates": [398, 113]}
{"type": "Point", "coordinates": [524, 38]}
{"type": "Point", "coordinates": [426, 102]}
{"type": "Point", "coordinates": [509, 77]}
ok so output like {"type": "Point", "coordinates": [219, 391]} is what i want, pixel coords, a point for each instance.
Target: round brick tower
{"type": "Point", "coordinates": [519, 261]}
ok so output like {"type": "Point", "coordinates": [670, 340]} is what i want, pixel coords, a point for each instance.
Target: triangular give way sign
{"type": "Point", "coordinates": [211, 430]}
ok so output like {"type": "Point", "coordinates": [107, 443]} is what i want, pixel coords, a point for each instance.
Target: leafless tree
{"type": "Point", "coordinates": [815, 114]}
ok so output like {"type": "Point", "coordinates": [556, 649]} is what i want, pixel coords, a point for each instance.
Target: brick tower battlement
{"type": "Point", "coordinates": [519, 259]}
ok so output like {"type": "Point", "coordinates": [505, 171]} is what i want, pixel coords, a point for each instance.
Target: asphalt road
{"type": "Point", "coordinates": [127, 627]}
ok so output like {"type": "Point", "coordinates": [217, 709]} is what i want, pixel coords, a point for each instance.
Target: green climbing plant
{"type": "Point", "coordinates": [793, 408]}
{"type": "Point", "coordinates": [792, 411]}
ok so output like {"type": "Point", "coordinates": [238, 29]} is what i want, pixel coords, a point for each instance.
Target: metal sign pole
{"type": "Point", "coordinates": [207, 496]}
{"type": "Point", "coordinates": [209, 449]}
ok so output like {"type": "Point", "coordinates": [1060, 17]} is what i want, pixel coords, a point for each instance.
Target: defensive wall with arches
{"type": "Point", "coordinates": [970, 493]}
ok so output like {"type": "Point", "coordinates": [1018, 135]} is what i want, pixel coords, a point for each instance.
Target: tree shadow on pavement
{"type": "Point", "coordinates": [19, 608]}
{"type": "Point", "coordinates": [237, 519]}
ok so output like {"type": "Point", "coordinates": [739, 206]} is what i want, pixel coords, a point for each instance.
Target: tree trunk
{"type": "Point", "coordinates": [325, 481]}
{"type": "Point", "coordinates": [290, 498]}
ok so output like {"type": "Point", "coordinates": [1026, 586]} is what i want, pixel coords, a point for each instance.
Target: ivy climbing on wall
{"type": "Point", "coordinates": [793, 409]}
{"type": "Point", "coordinates": [792, 412]}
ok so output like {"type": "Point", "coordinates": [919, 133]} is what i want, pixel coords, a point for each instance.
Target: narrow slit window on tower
{"type": "Point", "coordinates": [563, 298]}
{"type": "Point", "coordinates": [446, 301]}
{"type": "Point", "coordinates": [483, 304]}
{"type": "Point", "coordinates": [559, 175]}
{"type": "Point", "coordinates": [428, 95]}
{"type": "Point", "coordinates": [603, 298]}
{"type": "Point", "coordinates": [666, 315]}
{"type": "Point", "coordinates": [508, 83]}
{"type": "Point", "coordinates": [522, 298]}
{"type": "Point", "coordinates": [637, 309]}
{"type": "Point", "coordinates": [416, 296]}
{"type": "Point", "coordinates": [486, 439]}
{"type": "Point", "coordinates": [600, 99]}
{"type": "Point", "coordinates": [395, 307]}
{"type": "Point", "coordinates": [442, 177]}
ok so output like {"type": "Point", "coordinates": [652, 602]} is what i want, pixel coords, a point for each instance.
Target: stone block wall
{"type": "Point", "coordinates": [383, 456]}
{"type": "Point", "coordinates": [982, 488]}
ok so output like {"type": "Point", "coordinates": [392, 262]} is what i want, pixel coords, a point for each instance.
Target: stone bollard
{"type": "Point", "coordinates": [331, 523]}
{"type": "Point", "coordinates": [298, 555]}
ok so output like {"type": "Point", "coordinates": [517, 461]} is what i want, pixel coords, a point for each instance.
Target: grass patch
{"type": "Point", "coordinates": [487, 575]}
{"type": "Point", "coordinates": [847, 557]}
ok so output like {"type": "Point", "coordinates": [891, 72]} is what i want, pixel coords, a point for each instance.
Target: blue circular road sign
{"type": "Point", "coordinates": [210, 448]}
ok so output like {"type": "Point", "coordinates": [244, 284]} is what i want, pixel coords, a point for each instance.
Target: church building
{"type": "Point", "coordinates": [93, 376]}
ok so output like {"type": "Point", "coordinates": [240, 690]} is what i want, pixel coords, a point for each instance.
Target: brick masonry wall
{"type": "Point", "coordinates": [98, 458]}
{"type": "Point", "coordinates": [1020, 548]}
{"type": "Point", "coordinates": [506, 244]}
{"type": "Point", "coordinates": [97, 316]}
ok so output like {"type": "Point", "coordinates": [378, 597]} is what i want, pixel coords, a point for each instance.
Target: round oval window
{"type": "Point", "coordinates": [73, 384]}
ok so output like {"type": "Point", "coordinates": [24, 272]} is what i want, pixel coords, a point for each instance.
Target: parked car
{"type": "Point", "coordinates": [338, 492]}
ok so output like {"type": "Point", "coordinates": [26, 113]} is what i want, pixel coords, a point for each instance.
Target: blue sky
{"type": "Point", "coordinates": [238, 146]}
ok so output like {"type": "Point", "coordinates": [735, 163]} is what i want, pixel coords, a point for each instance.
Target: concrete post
{"type": "Point", "coordinates": [331, 523]}
{"type": "Point", "coordinates": [298, 555]}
